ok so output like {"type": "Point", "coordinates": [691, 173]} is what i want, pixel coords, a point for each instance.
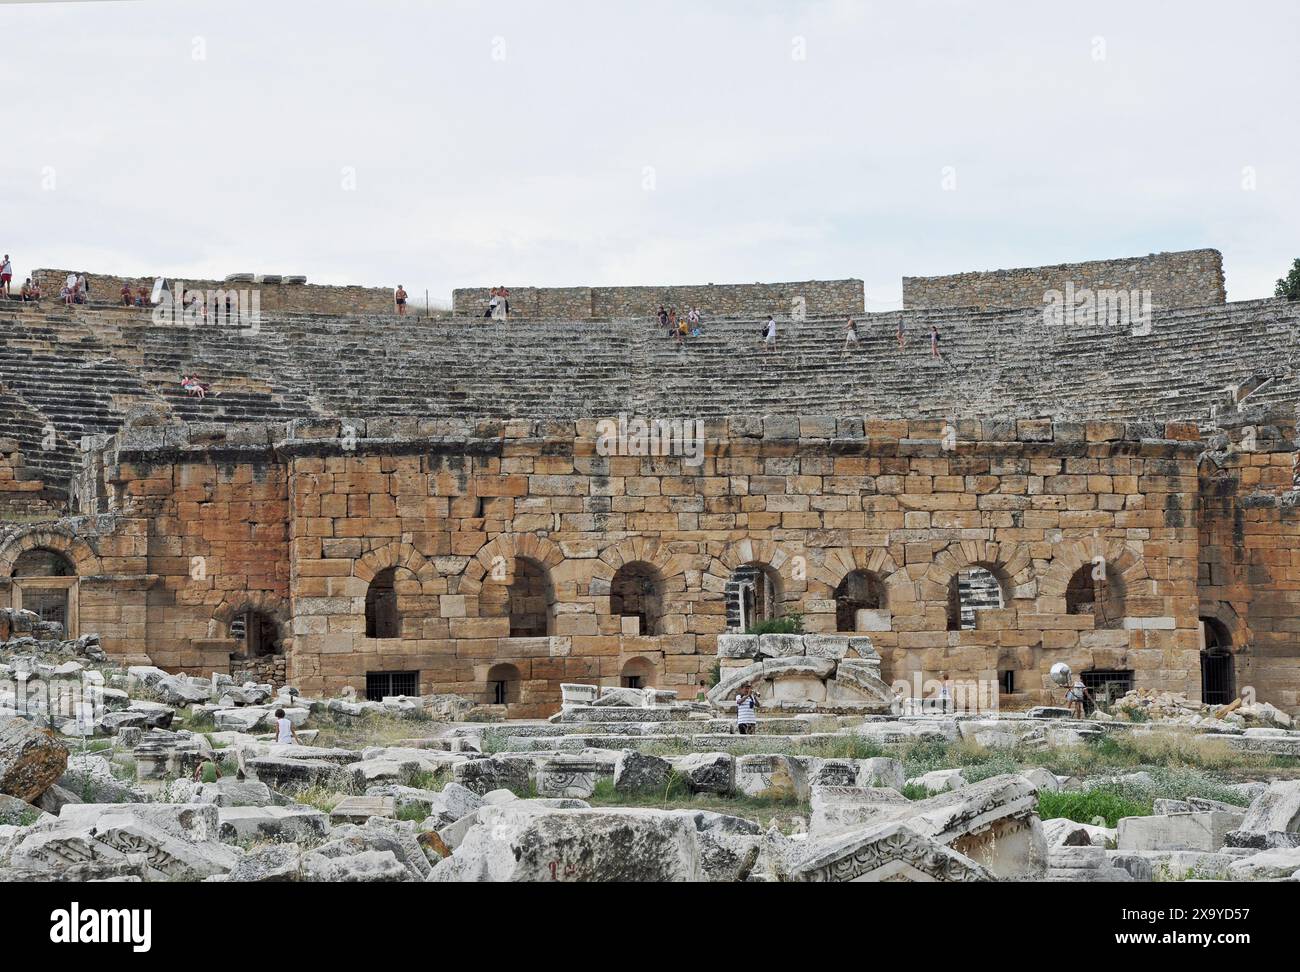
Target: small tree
{"type": "Point", "coordinates": [1289, 286]}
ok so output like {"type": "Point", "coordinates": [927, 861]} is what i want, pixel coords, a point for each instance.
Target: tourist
{"type": "Point", "coordinates": [769, 335]}
{"type": "Point", "coordinates": [746, 710]}
{"type": "Point", "coordinates": [672, 321]}
{"type": "Point", "coordinates": [505, 299]}
{"type": "Point", "coordinates": [934, 341]}
{"type": "Point", "coordinates": [901, 340]}
{"type": "Point", "coordinates": [399, 297]}
{"type": "Point", "coordinates": [126, 295]}
{"type": "Point", "coordinates": [207, 770]}
{"type": "Point", "coordinates": [284, 731]}
{"type": "Point", "coordinates": [501, 311]}
{"type": "Point", "coordinates": [492, 305]}
{"type": "Point", "coordinates": [663, 318]}
{"type": "Point", "coordinates": [945, 694]}
{"type": "Point", "coordinates": [694, 319]}
{"type": "Point", "coordinates": [191, 385]}
{"type": "Point", "coordinates": [850, 335]}
{"type": "Point", "coordinates": [1076, 696]}
{"type": "Point", "coordinates": [142, 298]}
{"type": "Point", "coordinates": [83, 289]}
{"type": "Point", "coordinates": [29, 291]}
{"type": "Point", "coordinates": [6, 275]}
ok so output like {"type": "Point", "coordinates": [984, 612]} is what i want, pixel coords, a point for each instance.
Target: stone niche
{"type": "Point", "coordinates": [802, 673]}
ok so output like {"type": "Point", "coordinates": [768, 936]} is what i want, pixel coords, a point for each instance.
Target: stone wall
{"type": "Point", "coordinates": [1250, 557]}
{"type": "Point", "coordinates": [23, 497]}
{"type": "Point", "coordinates": [274, 297]}
{"type": "Point", "coordinates": [1187, 278]}
{"type": "Point", "coordinates": [821, 297]}
{"type": "Point", "coordinates": [307, 516]}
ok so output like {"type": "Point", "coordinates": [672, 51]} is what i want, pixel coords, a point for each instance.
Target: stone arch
{"type": "Point", "coordinates": [395, 554]}
{"type": "Point", "coordinates": [504, 682]}
{"type": "Point", "coordinates": [270, 606]}
{"type": "Point", "coordinates": [1009, 564]}
{"type": "Point", "coordinates": [503, 549]}
{"type": "Point", "coordinates": [1232, 625]}
{"type": "Point", "coordinates": [59, 539]}
{"type": "Point", "coordinates": [1071, 555]}
{"type": "Point", "coordinates": [641, 670]}
{"type": "Point", "coordinates": [637, 593]}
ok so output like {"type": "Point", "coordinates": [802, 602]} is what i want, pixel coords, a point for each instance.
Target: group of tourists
{"type": "Point", "coordinates": [192, 386]}
{"type": "Point", "coordinates": [75, 289]}
{"type": "Point", "coordinates": [27, 293]}
{"type": "Point", "coordinates": [679, 327]}
{"type": "Point", "coordinates": [139, 299]}
{"type": "Point", "coordinates": [498, 307]}
{"type": "Point", "coordinates": [851, 337]}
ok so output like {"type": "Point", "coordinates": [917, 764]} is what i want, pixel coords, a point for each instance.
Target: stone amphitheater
{"type": "Point", "coordinates": [375, 502]}
{"type": "Point", "coordinates": [455, 599]}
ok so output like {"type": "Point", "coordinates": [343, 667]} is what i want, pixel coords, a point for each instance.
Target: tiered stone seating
{"type": "Point", "coordinates": [80, 369]}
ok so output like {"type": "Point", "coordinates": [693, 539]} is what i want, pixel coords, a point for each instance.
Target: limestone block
{"type": "Point", "coordinates": [890, 852]}
{"type": "Point", "coordinates": [771, 777]}
{"type": "Point", "coordinates": [1200, 831]}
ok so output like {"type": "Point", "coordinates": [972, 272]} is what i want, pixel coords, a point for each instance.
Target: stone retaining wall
{"type": "Point", "coordinates": [1188, 278]}
{"type": "Point", "coordinates": [820, 297]}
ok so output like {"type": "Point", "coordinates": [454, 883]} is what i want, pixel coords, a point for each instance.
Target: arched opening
{"type": "Point", "coordinates": [258, 634]}
{"type": "Point", "coordinates": [638, 673]}
{"type": "Point", "coordinates": [526, 598]}
{"type": "Point", "coordinates": [503, 685]}
{"type": "Point", "coordinates": [860, 590]}
{"type": "Point", "coordinates": [637, 593]}
{"type": "Point", "coordinates": [382, 620]}
{"type": "Point", "coordinates": [45, 583]}
{"type": "Point", "coordinates": [1097, 590]}
{"type": "Point", "coordinates": [753, 596]}
{"type": "Point", "coordinates": [1218, 673]}
{"type": "Point", "coordinates": [971, 590]}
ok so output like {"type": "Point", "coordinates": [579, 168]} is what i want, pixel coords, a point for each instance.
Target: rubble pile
{"type": "Point", "coordinates": [177, 777]}
{"type": "Point", "coordinates": [1177, 708]}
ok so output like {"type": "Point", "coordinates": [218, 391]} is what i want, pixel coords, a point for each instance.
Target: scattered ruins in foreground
{"type": "Point", "coordinates": [539, 543]}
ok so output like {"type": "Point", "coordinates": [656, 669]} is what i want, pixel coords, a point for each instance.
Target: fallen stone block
{"type": "Point", "coordinates": [636, 771]}
{"type": "Point", "coordinates": [274, 862]}
{"type": "Point", "coordinates": [363, 868]}
{"type": "Point", "coordinates": [1084, 863]}
{"type": "Point", "coordinates": [836, 809]}
{"type": "Point", "coordinates": [295, 823]}
{"type": "Point", "coordinates": [1198, 831]}
{"type": "Point", "coordinates": [889, 852]}
{"type": "Point", "coordinates": [1277, 809]}
{"type": "Point", "coordinates": [520, 843]}
{"type": "Point", "coordinates": [1270, 865]}
{"type": "Point", "coordinates": [485, 775]}
{"type": "Point", "coordinates": [939, 781]}
{"type": "Point", "coordinates": [568, 776]}
{"type": "Point", "coordinates": [31, 760]}
{"type": "Point", "coordinates": [706, 772]}
{"type": "Point", "coordinates": [280, 773]}
{"type": "Point", "coordinates": [774, 777]}
{"type": "Point", "coordinates": [1060, 832]}
{"type": "Point", "coordinates": [359, 809]}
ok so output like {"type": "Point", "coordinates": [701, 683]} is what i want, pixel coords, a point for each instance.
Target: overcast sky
{"type": "Point", "coordinates": [445, 143]}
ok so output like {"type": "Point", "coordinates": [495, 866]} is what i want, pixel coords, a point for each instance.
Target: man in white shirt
{"type": "Point", "coordinates": [6, 275]}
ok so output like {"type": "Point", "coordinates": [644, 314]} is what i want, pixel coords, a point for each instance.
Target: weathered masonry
{"type": "Point", "coordinates": [500, 558]}
{"type": "Point", "coordinates": [811, 297]}
{"type": "Point", "coordinates": [1188, 278]}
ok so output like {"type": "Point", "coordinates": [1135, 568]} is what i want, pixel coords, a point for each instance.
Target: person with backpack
{"type": "Point", "coordinates": [769, 335]}
{"type": "Point", "coordinates": [1076, 697]}
{"type": "Point", "coordinates": [746, 710]}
